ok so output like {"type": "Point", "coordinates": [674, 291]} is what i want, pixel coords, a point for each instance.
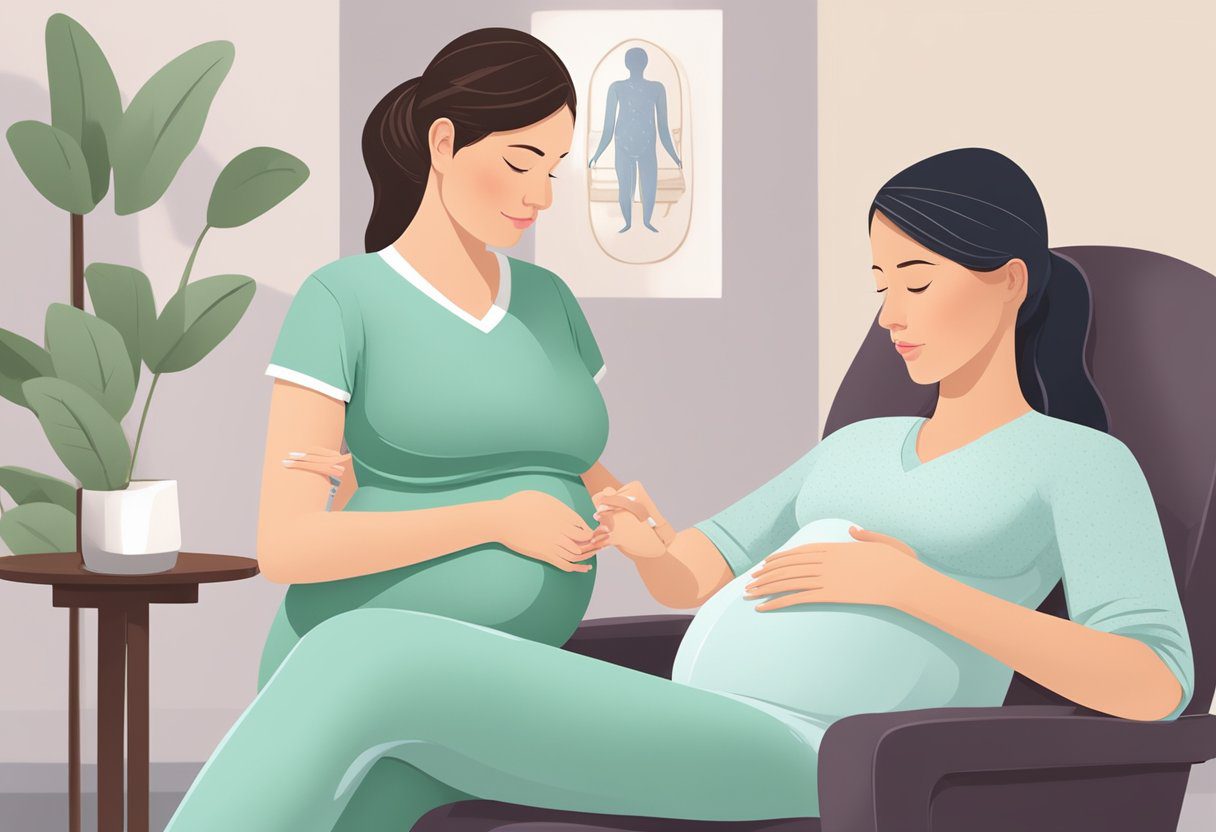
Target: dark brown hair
{"type": "Point", "coordinates": [485, 81]}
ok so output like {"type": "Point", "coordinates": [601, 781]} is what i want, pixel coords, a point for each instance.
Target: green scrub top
{"type": "Point", "coordinates": [442, 408]}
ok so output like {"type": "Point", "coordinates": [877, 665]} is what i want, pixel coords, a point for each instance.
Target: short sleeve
{"type": "Point", "coordinates": [584, 339]}
{"type": "Point", "coordinates": [318, 346]}
{"type": "Point", "coordinates": [1115, 565]}
{"type": "Point", "coordinates": [751, 528]}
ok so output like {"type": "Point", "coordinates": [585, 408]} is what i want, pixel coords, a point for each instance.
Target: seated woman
{"type": "Point", "coordinates": [955, 528]}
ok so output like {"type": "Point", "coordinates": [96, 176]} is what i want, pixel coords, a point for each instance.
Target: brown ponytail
{"type": "Point", "coordinates": [486, 81]}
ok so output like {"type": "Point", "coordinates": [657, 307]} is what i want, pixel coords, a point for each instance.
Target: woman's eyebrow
{"type": "Point", "coordinates": [913, 263]}
{"type": "Point", "coordinates": [536, 150]}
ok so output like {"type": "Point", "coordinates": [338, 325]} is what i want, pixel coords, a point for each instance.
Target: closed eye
{"type": "Point", "coordinates": [522, 170]}
{"type": "Point", "coordinates": [910, 289]}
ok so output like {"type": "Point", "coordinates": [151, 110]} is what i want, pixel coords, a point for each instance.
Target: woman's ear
{"type": "Point", "coordinates": [442, 139]}
{"type": "Point", "coordinates": [1018, 276]}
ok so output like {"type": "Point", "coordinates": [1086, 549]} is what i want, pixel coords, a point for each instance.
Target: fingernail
{"type": "Point", "coordinates": [296, 453]}
{"type": "Point", "coordinates": [601, 508]}
{"type": "Point", "coordinates": [289, 462]}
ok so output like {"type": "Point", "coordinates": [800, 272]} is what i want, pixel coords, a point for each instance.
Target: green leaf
{"type": "Point", "coordinates": [196, 319]}
{"type": "Point", "coordinates": [122, 297]}
{"type": "Point", "coordinates": [53, 162]}
{"type": "Point", "coordinates": [91, 354]}
{"type": "Point", "coordinates": [20, 360]}
{"type": "Point", "coordinates": [25, 485]}
{"type": "Point", "coordinates": [163, 122]}
{"type": "Point", "coordinates": [85, 102]}
{"type": "Point", "coordinates": [87, 439]}
{"type": "Point", "coordinates": [251, 184]}
{"type": "Point", "coordinates": [35, 528]}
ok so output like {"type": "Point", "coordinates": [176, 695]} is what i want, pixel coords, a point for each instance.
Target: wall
{"type": "Point", "coordinates": [206, 427]}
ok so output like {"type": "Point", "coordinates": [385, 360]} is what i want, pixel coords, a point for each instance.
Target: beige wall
{"type": "Point", "coordinates": [1107, 106]}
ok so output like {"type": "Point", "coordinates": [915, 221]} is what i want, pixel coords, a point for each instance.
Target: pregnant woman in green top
{"type": "Point", "coordinates": [464, 381]}
{"type": "Point", "coordinates": [904, 557]}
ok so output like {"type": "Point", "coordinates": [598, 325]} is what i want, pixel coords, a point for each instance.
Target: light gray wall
{"type": "Point", "coordinates": [707, 398]}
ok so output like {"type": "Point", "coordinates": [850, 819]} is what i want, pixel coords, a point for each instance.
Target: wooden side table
{"type": "Point", "coordinates": [122, 663]}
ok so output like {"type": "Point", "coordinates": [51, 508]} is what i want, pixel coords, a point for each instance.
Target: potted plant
{"type": "Point", "coordinates": [82, 381]}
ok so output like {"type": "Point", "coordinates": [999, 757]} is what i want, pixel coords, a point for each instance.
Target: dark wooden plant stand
{"type": "Point", "coordinates": [122, 603]}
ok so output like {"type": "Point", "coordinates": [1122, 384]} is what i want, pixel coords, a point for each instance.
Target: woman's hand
{"type": "Point", "coordinates": [541, 526]}
{"type": "Point", "coordinates": [633, 537]}
{"type": "Point", "coordinates": [876, 569]}
{"type": "Point", "coordinates": [633, 522]}
{"type": "Point", "coordinates": [319, 460]}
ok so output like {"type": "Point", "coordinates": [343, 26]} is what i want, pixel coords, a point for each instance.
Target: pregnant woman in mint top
{"type": "Point", "coordinates": [903, 559]}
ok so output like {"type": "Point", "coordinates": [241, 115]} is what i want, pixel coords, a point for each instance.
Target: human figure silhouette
{"type": "Point", "coordinates": [641, 102]}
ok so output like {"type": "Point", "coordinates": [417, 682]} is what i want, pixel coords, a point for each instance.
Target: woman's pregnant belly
{"type": "Point", "coordinates": [489, 584]}
{"type": "Point", "coordinates": [826, 660]}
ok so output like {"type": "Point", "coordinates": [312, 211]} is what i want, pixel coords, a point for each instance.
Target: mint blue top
{"type": "Point", "coordinates": [1011, 513]}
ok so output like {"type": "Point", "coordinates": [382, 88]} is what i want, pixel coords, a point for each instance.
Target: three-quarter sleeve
{"type": "Point", "coordinates": [580, 330]}
{"type": "Point", "coordinates": [318, 345]}
{"type": "Point", "coordinates": [750, 529]}
{"type": "Point", "coordinates": [1113, 558]}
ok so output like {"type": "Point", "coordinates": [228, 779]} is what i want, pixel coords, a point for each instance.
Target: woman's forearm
{"type": "Point", "coordinates": [323, 545]}
{"type": "Point", "coordinates": [1107, 672]}
{"type": "Point", "coordinates": [686, 574]}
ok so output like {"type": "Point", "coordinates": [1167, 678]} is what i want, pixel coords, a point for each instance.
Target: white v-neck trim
{"type": "Point", "coordinates": [492, 317]}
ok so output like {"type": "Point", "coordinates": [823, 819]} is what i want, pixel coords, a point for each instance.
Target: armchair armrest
{"type": "Point", "coordinates": [878, 771]}
{"type": "Point", "coordinates": [642, 642]}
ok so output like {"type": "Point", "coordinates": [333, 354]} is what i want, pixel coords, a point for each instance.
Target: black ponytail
{"type": "Point", "coordinates": [976, 207]}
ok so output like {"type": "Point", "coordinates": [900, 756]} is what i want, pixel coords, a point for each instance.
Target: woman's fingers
{"type": "Point", "coordinates": [323, 468]}
{"type": "Point", "coordinates": [634, 507]}
{"type": "Point", "coordinates": [321, 450]}
{"type": "Point", "coordinates": [318, 459]}
{"type": "Point", "coordinates": [558, 558]}
{"type": "Point", "coordinates": [786, 573]}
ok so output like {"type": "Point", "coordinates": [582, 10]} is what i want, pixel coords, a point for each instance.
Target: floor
{"type": "Point", "coordinates": [48, 812]}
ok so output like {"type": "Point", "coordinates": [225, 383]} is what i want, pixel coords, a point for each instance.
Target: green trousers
{"type": "Point", "coordinates": [377, 716]}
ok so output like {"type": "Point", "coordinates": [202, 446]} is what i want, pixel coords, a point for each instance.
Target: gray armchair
{"type": "Point", "coordinates": [1039, 761]}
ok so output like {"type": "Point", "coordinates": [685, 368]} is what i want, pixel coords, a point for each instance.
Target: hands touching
{"type": "Point", "coordinates": [541, 526]}
{"type": "Point", "coordinates": [632, 522]}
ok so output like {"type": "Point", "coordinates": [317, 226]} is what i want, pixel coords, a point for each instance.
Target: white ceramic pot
{"type": "Point", "coordinates": [131, 531]}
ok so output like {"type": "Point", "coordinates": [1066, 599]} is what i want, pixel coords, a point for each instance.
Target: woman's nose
{"type": "Point", "coordinates": [539, 198]}
{"type": "Point", "coordinates": [891, 316]}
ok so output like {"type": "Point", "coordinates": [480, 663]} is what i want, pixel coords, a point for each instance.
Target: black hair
{"type": "Point", "coordinates": [486, 81]}
{"type": "Point", "coordinates": [978, 208]}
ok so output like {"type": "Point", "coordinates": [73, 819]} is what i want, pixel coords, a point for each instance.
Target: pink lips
{"type": "Point", "coordinates": [907, 350]}
{"type": "Point", "coordinates": [517, 222]}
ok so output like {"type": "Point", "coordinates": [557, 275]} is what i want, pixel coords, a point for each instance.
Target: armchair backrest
{"type": "Point", "coordinates": [1151, 359]}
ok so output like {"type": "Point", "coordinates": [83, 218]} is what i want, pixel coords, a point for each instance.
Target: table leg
{"type": "Point", "coordinates": [137, 717]}
{"type": "Point", "coordinates": [111, 683]}
{"type": "Point", "coordinates": [74, 719]}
